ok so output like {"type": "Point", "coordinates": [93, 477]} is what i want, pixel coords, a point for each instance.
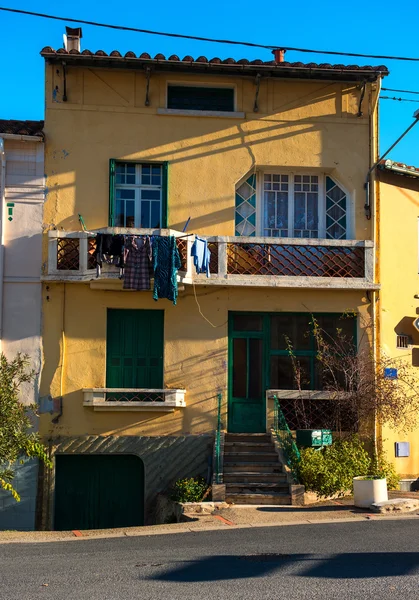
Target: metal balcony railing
{"type": "Point", "coordinates": [237, 261]}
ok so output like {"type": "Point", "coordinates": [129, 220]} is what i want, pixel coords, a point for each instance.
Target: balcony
{"type": "Point", "coordinates": [235, 261]}
{"type": "Point", "coordinates": [107, 399]}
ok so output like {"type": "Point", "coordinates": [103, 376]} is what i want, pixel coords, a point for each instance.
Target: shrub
{"type": "Point", "coordinates": [189, 490]}
{"type": "Point", "coordinates": [330, 471]}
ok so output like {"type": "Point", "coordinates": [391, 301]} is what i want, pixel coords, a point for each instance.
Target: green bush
{"type": "Point", "coordinates": [330, 470]}
{"type": "Point", "coordinates": [381, 467]}
{"type": "Point", "coordinates": [189, 490]}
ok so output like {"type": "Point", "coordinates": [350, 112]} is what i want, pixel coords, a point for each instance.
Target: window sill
{"type": "Point", "coordinates": [201, 113]}
{"type": "Point", "coordinates": [96, 398]}
{"type": "Point", "coordinates": [302, 395]}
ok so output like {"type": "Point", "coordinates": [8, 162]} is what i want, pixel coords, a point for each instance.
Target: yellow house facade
{"type": "Point", "coordinates": [264, 161]}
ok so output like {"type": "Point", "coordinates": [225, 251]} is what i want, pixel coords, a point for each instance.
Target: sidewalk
{"type": "Point", "coordinates": [236, 516]}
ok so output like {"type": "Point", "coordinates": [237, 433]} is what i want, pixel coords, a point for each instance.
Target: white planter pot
{"type": "Point", "coordinates": [369, 491]}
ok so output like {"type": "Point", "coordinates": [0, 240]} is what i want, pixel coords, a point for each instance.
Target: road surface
{"type": "Point", "coordinates": [359, 560]}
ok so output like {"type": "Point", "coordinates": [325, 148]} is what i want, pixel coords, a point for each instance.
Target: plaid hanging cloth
{"type": "Point", "coordinates": [166, 262]}
{"type": "Point", "coordinates": [138, 266]}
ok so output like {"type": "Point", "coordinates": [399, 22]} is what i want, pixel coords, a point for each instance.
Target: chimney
{"type": "Point", "coordinates": [72, 38]}
{"type": "Point", "coordinates": [279, 54]}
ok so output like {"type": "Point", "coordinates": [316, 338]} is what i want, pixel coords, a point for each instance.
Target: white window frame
{"type": "Point", "coordinates": [322, 200]}
{"type": "Point", "coordinates": [138, 187]}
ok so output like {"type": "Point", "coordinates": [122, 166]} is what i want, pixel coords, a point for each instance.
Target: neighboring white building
{"type": "Point", "coordinates": [22, 194]}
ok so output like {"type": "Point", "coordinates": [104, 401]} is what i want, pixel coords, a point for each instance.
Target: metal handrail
{"type": "Point", "coordinates": [286, 439]}
{"type": "Point", "coordinates": [218, 474]}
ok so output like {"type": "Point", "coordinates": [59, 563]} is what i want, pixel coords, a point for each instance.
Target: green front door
{"type": "Point", "coordinates": [246, 386]}
{"type": "Point", "coordinates": [98, 491]}
{"type": "Point", "coordinates": [134, 349]}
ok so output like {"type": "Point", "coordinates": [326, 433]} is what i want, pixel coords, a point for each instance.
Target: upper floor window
{"type": "Point", "coordinates": [185, 97]}
{"type": "Point", "coordinates": [292, 205]}
{"type": "Point", "coordinates": [137, 195]}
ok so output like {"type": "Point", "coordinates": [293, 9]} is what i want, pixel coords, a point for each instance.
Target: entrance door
{"type": "Point", "coordinates": [134, 349]}
{"type": "Point", "coordinates": [246, 401]}
{"type": "Point", "coordinates": [98, 491]}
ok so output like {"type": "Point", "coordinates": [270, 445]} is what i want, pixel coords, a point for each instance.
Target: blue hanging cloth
{"type": "Point", "coordinates": [166, 262]}
{"type": "Point", "coordinates": [201, 256]}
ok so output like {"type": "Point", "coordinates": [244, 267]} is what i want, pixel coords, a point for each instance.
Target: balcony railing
{"type": "Point", "coordinates": [236, 261]}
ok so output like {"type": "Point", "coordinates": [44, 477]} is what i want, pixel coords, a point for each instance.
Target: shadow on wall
{"type": "Point", "coordinates": [343, 565]}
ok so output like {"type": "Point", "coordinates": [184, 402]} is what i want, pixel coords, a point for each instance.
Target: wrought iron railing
{"type": "Point", "coordinates": [279, 259]}
{"type": "Point", "coordinates": [285, 439]}
{"type": "Point", "coordinates": [217, 454]}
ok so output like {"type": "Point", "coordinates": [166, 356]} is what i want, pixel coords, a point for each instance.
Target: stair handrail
{"type": "Point", "coordinates": [285, 439]}
{"type": "Point", "coordinates": [217, 465]}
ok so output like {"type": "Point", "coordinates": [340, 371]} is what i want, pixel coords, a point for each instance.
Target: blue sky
{"type": "Point", "coordinates": [377, 28]}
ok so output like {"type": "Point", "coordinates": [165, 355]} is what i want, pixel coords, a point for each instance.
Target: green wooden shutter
{"type": "Point", "coordinates": [165, 196]}
{"type": "Point", "coordinates": [134, 353]}
{"type": "Point", "coordinates": [112, 192]}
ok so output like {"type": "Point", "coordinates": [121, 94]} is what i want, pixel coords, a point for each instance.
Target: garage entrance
{"type": "Point", "coordinates": [98, 491]}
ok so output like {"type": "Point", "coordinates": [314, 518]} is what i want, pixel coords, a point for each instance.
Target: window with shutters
{"type": "Point", "coordinates": [292, 205]}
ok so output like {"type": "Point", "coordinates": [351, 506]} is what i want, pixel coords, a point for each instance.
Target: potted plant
{"type": "Point", "coordinates": [369, 489]}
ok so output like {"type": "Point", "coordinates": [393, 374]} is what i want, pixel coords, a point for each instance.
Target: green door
{"type": "Point", "coordinates": [246, 386]}
{"type": "Point", "coordinates": [98, 491]}
{"type": "Point", "coordinates": [134, 349]}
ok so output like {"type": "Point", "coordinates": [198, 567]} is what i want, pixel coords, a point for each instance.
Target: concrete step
{"type": "Point", "coordinates": [248, 447]}
{"type": "Point", "coordinates": [257, 488]}
{"type": "Point", "coordinates": [248, 437]}
{"type": "Point", "coordinates": [250, 457]}
{"type": "Point", "coordinates": [270, 467]}
{"type": "Point", "coordinates": [264, 498]}
{"type": "Point", "coordinates": [254, 477]}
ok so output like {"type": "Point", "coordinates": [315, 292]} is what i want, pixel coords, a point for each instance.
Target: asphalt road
{"type": "Point", "coordinates": [358, 560]}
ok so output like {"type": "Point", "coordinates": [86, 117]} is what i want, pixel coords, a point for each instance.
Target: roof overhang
{"type": "Point", "coordinates": [215, 66]}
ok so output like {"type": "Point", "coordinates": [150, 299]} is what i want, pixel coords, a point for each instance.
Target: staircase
{"type": "Point", "coordinates": [252, 471]}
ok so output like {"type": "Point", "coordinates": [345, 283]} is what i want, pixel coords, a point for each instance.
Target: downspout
{"type": "Point", "coordinates": [63, 349]}
{"type": "Point", "coordinates": [2, 201]}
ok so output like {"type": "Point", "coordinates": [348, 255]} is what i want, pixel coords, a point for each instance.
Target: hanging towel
{"type": "Point", "coordinates": [138, 264]}
{"type": "Point", "coordinates": [201, 256]}
{"type": "Point", "coordinates": [166, 262]}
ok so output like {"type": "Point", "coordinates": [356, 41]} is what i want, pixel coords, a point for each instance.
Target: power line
{"type": "Point", "coordinates": [400, 91]}
{"type": "Point", "coordinates": [398, 99]}
{"type": "Point", "coordinates": [205, 39]}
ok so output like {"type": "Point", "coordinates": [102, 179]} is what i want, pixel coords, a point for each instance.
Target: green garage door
{"type": "Point", "coordinates": [98, 491]}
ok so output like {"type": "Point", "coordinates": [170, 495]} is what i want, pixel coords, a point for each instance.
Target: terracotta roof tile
{"type": "Point", "coordinates": [398, 167]}
{"type": "Point", "coordinates": [310, 69]}
{"type": "Point", "coordinates": [14, 127]}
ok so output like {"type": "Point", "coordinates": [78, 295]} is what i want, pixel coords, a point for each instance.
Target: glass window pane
{"type": "Point", "coordinates": [150, 194]}
{"type": "Point", "coordinates": [282, 211]}
{"type": "Point", "coordinates": [338, 327]}
{"type": "Point", "coordinates": [130, 179]}
{"type": "Point", "coordinates": [239, 368]}
{"type": "Point", "coordinates": [119, 214]}
{"type": "Point", "coordinates": [294, 327]}
{"type": "Point", "coordinates": [131, 169]}
{"type": "Point", "coordinates": [255, 368]}
{"type": "Point", "coordinates": [125, 194]}
{"type": "Point", "coordinates": [129, 213]}
{"type": "Point", "coordinates": [269, 210]}
{"type": "Point", "coordinates": [155, 215]}
{"type": "Point", "coordinates": [299, 210]}
{"type": "Point", "coordinates": [288, 376]}
{"type": "Point", "coordinates": [145, 214]}
{"type": "Point", "coordinates": [247, 323]}
{"type": "Point", "coordinates": [312, 211]}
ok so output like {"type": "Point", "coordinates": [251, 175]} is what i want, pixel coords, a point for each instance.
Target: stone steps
{"type": "Point", "coordinates": [252, 471]}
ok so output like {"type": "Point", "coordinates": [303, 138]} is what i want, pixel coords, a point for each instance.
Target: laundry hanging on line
{"type": "Point", "coordinates": [201, 256]}
{"type": "Point", "coordinates": [138, 268]}
{"type": "Point", "coordinates": [166, 263]}
{"type": "Point", "coordinates": [109, 250]}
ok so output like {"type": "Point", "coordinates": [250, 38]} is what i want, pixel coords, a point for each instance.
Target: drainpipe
{"type": "Point", "coordinates": [2, 201]}
{"type": "Point", "coordinates": [367, 206]}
